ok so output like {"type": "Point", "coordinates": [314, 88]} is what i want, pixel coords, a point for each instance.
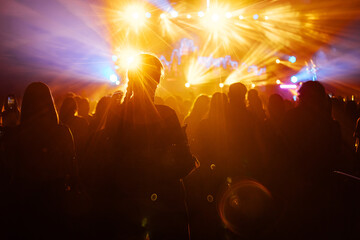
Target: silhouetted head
{"type": "Point", "coordinates": [68, 109]}
{"type": "Point", "coordinates": [144, 75]}
{"type": "Point", "coordinates": [253, 95]}
{"type": "Point", "coordinates": [38, 105]}
{"type": "Point", "coordinates": [276, 106]}
{"type": "Point", "coordinates": [312, 95]}
{"type": "Point", "coordinates": [83, 107]}
{"type": "Point", "coordinates": [218, 105]}
{"type": "Point", "coordinates": [200, 106]}
{"type": "Point", "coordinates": [102, 106]}
{"type": "Point", "coordinates": [237, 92]}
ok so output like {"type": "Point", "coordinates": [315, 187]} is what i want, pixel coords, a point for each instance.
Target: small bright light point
{"type": "Point", "coordinates": [292, 59]}
{"type": "Point", "coordinates": [241, 17]}
{"type": "Point", "coordinates": [114, 58]}
{"type": "Point", "coordinates": [278, 81]}
{"type": "Point", "coordinates": [294, 79]}
{"type": "Point", "coordinates": [253, 85]}
{"type": "Point", "coordinates": [116, 67]}
{"type": "Point", "coordinates": [277, 61]}
{"type": "Point", "coordinates": [228, 15]}
{"type": "Point", "coordinates": [188, 16]}
{"type": "Point", "coordinates": [288, 86]}
{"type": "Point", "coordinates": [201, 14]}
{"type": "Point", "coordinates": [113, 78]}
{"type": "Point", "coordinates": [215, 17]}
{"type": "Point", "coordinates": [294, 97]}
{"type": "Point", "coordinates": [221, 85]}
{"type": "Point", "coordinates": [148, 15]}
{"type": "Point", "coordinates": [117, 82]}
{"type": "Point", "coordinates": [187, 85]}
{"type": "Point", "coordinates": [174, 13]}
{"type": "Point", "coordinates": [163, 15]}
{"type": "Point", "coordinates": [256, 17]}
{"type": "Point", "coordinates": [266, 18]}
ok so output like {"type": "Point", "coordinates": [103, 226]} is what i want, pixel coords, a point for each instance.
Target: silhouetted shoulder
{"type": "Point", "coordinates": [167, 113]}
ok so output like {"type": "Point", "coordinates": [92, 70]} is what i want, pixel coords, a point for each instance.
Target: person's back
{"type": "Point", "coordinates": [40, 161]}
{"type": "Point", "coordinates": [145, 156]}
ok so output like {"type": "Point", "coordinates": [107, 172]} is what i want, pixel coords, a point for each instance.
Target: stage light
{"type": "Point", "coordinates": [113, 78]}
{"type": "Point", "coordinates": [288, 86]}
{"type": "Point", "coordinates": [117, 82]}
{"type": "Point", "coordinates": [148, 15]}
{"type": "Point", "coordinates": [277, 61]}
{"type": "Point", "coordinates": [187, 85]}
{"type": "Point", "coordinates": [256, 17]}
{"type": "Point", "coordinates": [266, 18]}
{"type": "Point", "coordinates": [221, 85]}
{"type": "Point", "coordinates": [292, 59]}
{"type": "Point", "coordinates": [163, 15]}
{"type": "Point", "coordinates": [135, 15]}
{"type": "Point", "coordinates": [215, 17]}
{"type": "Point", "coordinates": [228, 15]}
{"type": "Point", "coordinates": [241, 17]}
{"type": "Point", "coordinates": [188, 16]}
{"type": "Point", "coordinates": [278, 81]}
{"type": "Point", "coordinates": [174, 13]}
{"type": "Point", "coordinates": [201, 14]}
{"type": "Point", "coordinates": [294, 79]}
{"type": "Point", "coordinates": [114, 58]}
{"type": "Point", "coordinates": [253, 85]}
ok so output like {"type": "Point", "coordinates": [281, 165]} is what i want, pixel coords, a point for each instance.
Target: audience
{"type": "Point", "coordinates": [130, 164]}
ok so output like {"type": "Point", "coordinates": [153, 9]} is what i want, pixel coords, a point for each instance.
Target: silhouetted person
{"type": "Point", "coordinates": [313, 140]}
{"type": "Point", "coordinates": [40, 161]}
{"type": "Point", "coordinates": [245, 136]}
{"type": "Point", "coordinates": [10, 114]}
{"type": "Point", "coordinates": [98, 119]}
{"type": "Point", "coordinates": [255, 105]}
{"type": "Point", "coordinates": [83, 108]}
{"type": "Point", "coordinates": [197, 113]}
{"type": "Point", "coordinates": [79, 126]}
{"type": "Point", "coordinates": [144, 157]}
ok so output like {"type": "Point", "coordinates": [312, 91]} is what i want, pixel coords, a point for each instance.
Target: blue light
{"type": "Point", "coordinates": [114, 58]}
{"type": "Point", "coordinates": [292, 59]}
{"type": "Point", "coordinates": [113, 78]}
{"type": "Point", "coordinates": [148, 15]}
{"type": "Point", "coordinates": [256, 17]}
{"type": "Point", "coordinates": [294, 79]}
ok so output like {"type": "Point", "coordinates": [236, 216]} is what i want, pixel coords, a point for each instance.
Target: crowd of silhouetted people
{"type": "Point", "coordinates": [224, 167]}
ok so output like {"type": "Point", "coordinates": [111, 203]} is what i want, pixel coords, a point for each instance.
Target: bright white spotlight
{"type": "Point", "coordinates": [135, 15]}
{"type": "Point", "coordinates": [241, 17]}
{"type": "Point", "coordinates": [221, 85]}
{"type": "Point", "coordinates": [215, 17]}
{"type": "Point", "coordinates": [188, 16]}
{"type": "Point", "coordinates": [117, 82]}
{"type": "Point", "coordinates": [294, 79]}
{"type": "Point", "coordinates": [174, 13]}
{"type": "Point", "coordinates": [266, 18]}
{"type": "Point", "coordinates": [256, 16]}
{"type": "Point", "coordinates": [163, 15]}
{"type": "Point", "coordinates": [277, 61]}
{"type": "Point", "coordinates": [253, 85]}
{"type": "Point", "coordinates": [113, 78]}
{"type": "Point", "coordinates": [278, 81]}
{"type": "Point", "coordinates": [201, 14]}
{"type": "Point", "coordinates": [228, 15]}
{"type": "Point", "coordinates": [148, 15]}
{"type": "Point", "coordinates": [187, 84]}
